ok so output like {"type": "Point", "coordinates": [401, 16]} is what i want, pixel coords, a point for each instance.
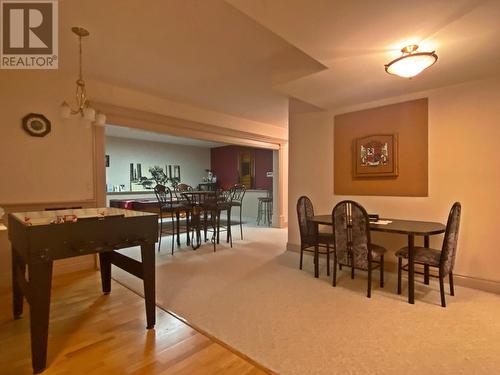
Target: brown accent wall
{"type": "Point", "coordinates": [410, 121]}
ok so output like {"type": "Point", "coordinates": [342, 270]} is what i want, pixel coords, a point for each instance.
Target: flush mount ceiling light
{"type": "Point", "coordinates": [411, 63]}
{"type": "Point", "coordinates": [83, 107]}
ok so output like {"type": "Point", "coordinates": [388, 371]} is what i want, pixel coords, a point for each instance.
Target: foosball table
{"type": "Point", "coordinates": [39, 238]}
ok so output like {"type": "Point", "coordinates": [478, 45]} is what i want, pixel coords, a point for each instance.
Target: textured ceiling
{"type": "Point", "coordinates": [205, 53]}
{"type": "Point", "coordinates": [246, 57]}
{"type": "Point", "coordinates": [354, 39]}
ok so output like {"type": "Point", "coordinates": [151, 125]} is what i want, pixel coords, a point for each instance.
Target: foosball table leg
{"type": "Point", "coordinates": [148, 278]}
{"type": "Point", "coordinates": [105, 264]}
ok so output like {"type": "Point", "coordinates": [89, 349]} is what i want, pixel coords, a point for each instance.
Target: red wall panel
{"type": "Point", "coordinates": [263, 160]}
{"type": "Point", "coordinates": [224, 164]}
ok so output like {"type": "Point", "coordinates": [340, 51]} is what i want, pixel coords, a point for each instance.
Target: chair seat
{"type": "Point", "coordinates": [423, 255]}
{"type": "Point", "coordinates": [223, 205]}
{"type": "Point", "coordinates": [235, 203]}
{"type": "Point", "coordinates": [325, 238]}
{"type": "Point", "coordinates": [172, 207]}
{"type": "Point", "coordinates": [377, 250]}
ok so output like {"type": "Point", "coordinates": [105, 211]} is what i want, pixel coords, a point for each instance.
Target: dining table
{"type": "Point", "coordinates": [200, 201]}
{"type": "Point", "coordinates": [410, 228]}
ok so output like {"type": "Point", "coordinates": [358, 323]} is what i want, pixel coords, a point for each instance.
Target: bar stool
{"type": "Point", "coordinates": [237, 195]}
{"type": "Point", "coordinates": [265, 209]}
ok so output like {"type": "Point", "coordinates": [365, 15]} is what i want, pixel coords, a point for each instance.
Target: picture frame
{"type": "Point", "coordinates": [177, 172]}
{"type": "Point", "coordinates": [375, 156]}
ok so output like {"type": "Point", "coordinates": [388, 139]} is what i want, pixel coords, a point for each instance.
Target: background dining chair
{"type": "Point", "coordinates": [183, 187]}
{"type": "Point", "coordinates": [167, 205]}
{"type": "Point", "coordinates": [265, 209]}
{"type": "Point", "coordinates": [237, 195]}
{"type": "Point", "coordinates": [444, 260]}
{"type": "Point", "coordinates": [353, 246]}
{"type": "Point", "coordinates": [224, 199]}
{"type": "Point", "coordinates": [308, 239]}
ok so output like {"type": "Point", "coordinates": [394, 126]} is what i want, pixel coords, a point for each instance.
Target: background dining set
{"type": "Point", "coordinates": [201, 210]}
{"type": "Point", "coordinates": [348, 243]}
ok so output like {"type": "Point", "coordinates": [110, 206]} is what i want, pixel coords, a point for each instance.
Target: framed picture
{"type": "Point", "coordinates": [177, 172]}
{"type": "Point", "coordinates": [376, 156]}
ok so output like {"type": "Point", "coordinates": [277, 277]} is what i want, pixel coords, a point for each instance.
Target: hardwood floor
{"type": "Point", "coordinates": [91, 333]}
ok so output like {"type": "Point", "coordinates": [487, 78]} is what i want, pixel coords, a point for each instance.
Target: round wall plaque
{"type": "Point", "coordinates": [36, 125]}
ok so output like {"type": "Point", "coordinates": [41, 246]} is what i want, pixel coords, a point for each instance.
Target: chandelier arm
{"type": "Point", "coordinates": [80, 77]}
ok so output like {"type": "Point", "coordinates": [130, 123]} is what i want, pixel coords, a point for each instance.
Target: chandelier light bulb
{"type": "Point", "coordinates": [89, 114]}
{"type": "Point", "coordinates": [65, 110]}
{"type": "Point", "coordinates": [100, 119]}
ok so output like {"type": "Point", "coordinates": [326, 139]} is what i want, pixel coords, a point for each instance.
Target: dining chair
{"type": "Point", "coordinates": [184, 187]}
{"type": "Point", "coordinates": [166, 205]}
{"type": "Point", "coordinates": [237, 195]}
{"type": "Point", "coordinates": [224, 200]}
{"type": "Point", "coordinates": [265, 209]}
{"type": "Point", "coordinates": [181, 188]}
{"type": "Point", "coordinates": [307, 229]}
{"type": "Point", "coordinates": [443, 260]}
{"type": "Point", "coordinates": [352, 241]}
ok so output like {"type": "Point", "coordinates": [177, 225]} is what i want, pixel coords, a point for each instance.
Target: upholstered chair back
{"type": "Point", "coordinates": [449, 249]}
{"type": "Point", "coordinates": [351, 231]}
{"type": "Point", "coordinates": [305, 212]}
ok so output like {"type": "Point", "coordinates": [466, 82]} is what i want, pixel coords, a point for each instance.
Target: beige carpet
{"type": "Point", "coordinates": [254, 298]}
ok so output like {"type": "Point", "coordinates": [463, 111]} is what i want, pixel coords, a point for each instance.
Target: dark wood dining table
{"type": "Point", "coordinates": [409, 228]}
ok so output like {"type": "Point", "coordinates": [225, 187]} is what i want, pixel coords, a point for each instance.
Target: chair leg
{"type": "Point", "coordinates": [340, 267]}
{"type": "Point", "coordinates": [269, 211]}
{"type": "Point", "coordinates": [188, 229]}
{"type": "Point", "coordinates": [441, 289]}
{"type": "Point", "coordinates": [228, 228]}
{"type": "Point", "coordinates": [241, 222]}
{"type": "Point", "coordinates": [334, 282]}
{"type": "Point", "coordinates": [205, 218]}
{"type": "Point", "coordinates": [178, 227]}
{"type": "Point", "coordinates": [301, 257]}
{"type": "Point", "coordinates": [160, 233]}
{"type": "Point", "coordinates": [400, 266]}
{"type": "Point", "coordinates": [259, 208]}
{"type": "Point", "coordinates": [426, 274]}
{"type": "Point", "coordinates": [381, 271]}
{"type": "Point", "coordinates": [229, 232]}
{"type": "Point", "coordinates": [369, 291]}
{"type": "Point", "coordinates": [452, 288]}
{"type": "Point", "coordinates": [217, 218]}
{"type": "Point", "coordinates": [327, 259]}
{"type": "Point", "coordinates": [173, 233]}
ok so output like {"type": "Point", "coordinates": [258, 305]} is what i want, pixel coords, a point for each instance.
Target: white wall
{"type": "Point", "coordinates": [123, 151]}
{"type": "Point", "coordinates": [464, 131]}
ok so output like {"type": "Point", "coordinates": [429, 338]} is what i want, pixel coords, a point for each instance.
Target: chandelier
{"type": "Point", "coordinates": [83, 107]}
{"type": "Point", "coordinates": [411, 63]}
